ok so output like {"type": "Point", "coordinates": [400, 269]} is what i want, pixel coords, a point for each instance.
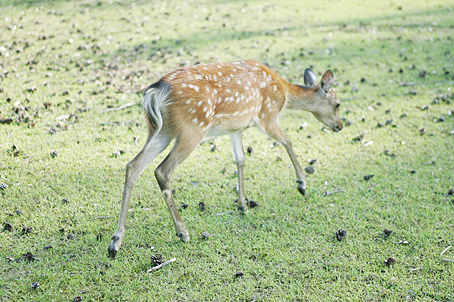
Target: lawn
{"type": "Point", "coordinates": [72, 75]}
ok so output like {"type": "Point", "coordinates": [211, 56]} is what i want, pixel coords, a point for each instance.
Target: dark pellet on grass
{"type": "Point", "coordinates": [47, 247]}
{"type": "Point", "coordinates": [341, 234]}
{"type": "Point", "coordinates": [201, 206]}
{"type": "Point", "coordinates": [450, 192]}
{"type": "Point", "coordinates": [239, 274]}
{"type": "Point", "coordinates": [389, 122]}
{"type": "Point", "coordinates": [53, 154]}
{"type": "Point", "coordinates": [99, 237]}
{"type": "Point", "coordinates": [77, 299]}
{"type": "Point", "coordinates": [252, 203]}
{"type": "Point", "coordinates": [309, 170]}
{"type": "Point", "coordinates": [412, 172]}
{"type": "Point", "coordinates": [380, 125]}
{"type": "Point", "coordinates": [390, 261]}
{"type": "Point", "coordinates": [312, 161]}
{"type": "Point", "coordinates": [387, 233]}
{"type": "Point", "coordinates": [367, 177]}
{"type": "Point", "coordinates": [26, 230]}
{"type": "Point", "coordinates": [3, 186]}
{"type": "Point", "coordinates": [156, 260]}
{"type": "Point", "coordinates": [206, 235]}
{"type": "Point", "coordinates": [70, 236]}
{"type": "Point", "coordinates": [28, 257]}
{"type": "Point", "coordinates": [249, 150]}
{"type": "Point", "coordinates": [35, 285]}
{"type": "Point", "coordinates": [7, 227]}
{"type": "Point", "coordinates": [184, 206]}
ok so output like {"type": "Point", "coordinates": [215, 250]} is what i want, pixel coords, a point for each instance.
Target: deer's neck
{"type": "Point", "coordinates": [301, 97]}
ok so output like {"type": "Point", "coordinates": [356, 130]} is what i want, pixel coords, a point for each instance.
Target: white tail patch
{"type": "Point", "coordinates": [154, 100]}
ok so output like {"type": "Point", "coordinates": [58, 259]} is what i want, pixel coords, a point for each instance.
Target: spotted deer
{"type": "Point", "coordinates": [198, 103]}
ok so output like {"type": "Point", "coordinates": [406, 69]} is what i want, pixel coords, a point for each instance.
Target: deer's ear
{"type": "Point", "coordinates": [327, 81]}
{"type": "Point", "coordinates": [310, 78]}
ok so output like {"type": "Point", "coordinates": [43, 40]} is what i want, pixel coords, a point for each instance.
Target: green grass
{"type": "Point", "coordinates": [79, 58]}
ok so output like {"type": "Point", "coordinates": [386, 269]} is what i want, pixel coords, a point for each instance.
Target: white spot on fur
{"type": "Point", "coordinates": [196, 88]}
{"type": "Point", "coordinates": [194, 120]}
{"type": "Point", "coordinates": [262, 84]}
{"type": "Point", "coordinates": [201, 124]}
{"type": "Point", "coordinates": [275, 88]}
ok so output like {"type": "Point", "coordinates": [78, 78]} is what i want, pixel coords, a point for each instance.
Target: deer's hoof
{"type": "Point", "coordinates": [242, 210]}
{"type": "Point", "coordinates": [183, 237]}
{"type": "Point", "coordinates": [301, 189]}
{"type": "Point", "coordinates": [112, 247]}
{"type": "Point", "coordinates": [112, 251]}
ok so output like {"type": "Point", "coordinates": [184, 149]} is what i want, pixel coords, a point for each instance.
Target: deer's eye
{"type": "Point", "coordinates": [337, 105]}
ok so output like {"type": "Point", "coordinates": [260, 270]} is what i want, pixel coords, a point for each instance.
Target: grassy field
{"type": "Point", "coordinates": [63, 154]}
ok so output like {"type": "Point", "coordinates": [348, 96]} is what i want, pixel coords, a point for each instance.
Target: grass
{"type": "Point", "coordinates": [62, 63]}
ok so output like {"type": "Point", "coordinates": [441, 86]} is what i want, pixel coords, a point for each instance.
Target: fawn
{"type": "Point", "coordinates": [198, 103]}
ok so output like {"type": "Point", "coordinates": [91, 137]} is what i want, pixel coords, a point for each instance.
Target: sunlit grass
{"type": "Point", "coordinates": [62, 63]}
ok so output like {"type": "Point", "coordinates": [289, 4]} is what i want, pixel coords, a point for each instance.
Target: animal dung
{"type": "Point", "coordinates": [309, 170]}
{"type": "Point", "coordinates": [156, 259]}
{"type": "Point", "coordinates": [367, 177]}
{"type": "Point", "coordinates": [387, 233]}
{"type": "Point", "coordinates": [341, 234]}
{"type": "Point", "coordinates": [390, 261]}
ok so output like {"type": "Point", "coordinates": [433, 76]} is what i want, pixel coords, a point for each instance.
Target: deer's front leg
{"type": "Point", "coordinates": [276, 132]}
{"type": "Point", "coordinates": [300, 179]}
{"type": "Point", "coordinates": [238, 153]}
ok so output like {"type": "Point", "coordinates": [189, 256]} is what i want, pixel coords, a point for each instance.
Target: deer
{"type": "Point", "coordinates": [194, 104]}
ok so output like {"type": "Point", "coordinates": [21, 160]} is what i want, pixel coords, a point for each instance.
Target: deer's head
{"type": "Point", "coordinates": [326, 105]}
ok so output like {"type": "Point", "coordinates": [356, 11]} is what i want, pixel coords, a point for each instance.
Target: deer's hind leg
{"type": "Point", "coordinates": [153, 147]}
{"type": "Point", "coordinates": [184, 145]}
{"type": "Point", "coordinates": [238, 154]}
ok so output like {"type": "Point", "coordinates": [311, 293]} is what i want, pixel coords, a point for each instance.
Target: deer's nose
{"type": "Point", "coordinates": [338, 127]}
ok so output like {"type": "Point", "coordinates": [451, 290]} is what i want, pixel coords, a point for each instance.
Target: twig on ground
{"type": "Point", "coordinates": [327, 193]}
{"type": "Point", "coordinates": [161, 265]}
{"type": "Point", "coordinates": [447, 260]}
{"type": "Point", "coordinates": [415, 269]}
{"type": "Point", "coordinates": [118, 108]}
{"type": "Point", "coordinates": [231, 220]}
{"type": "Point", "coordinates": [445, 250]}
{"type": "Point", "coordinates": [100, 217]}
{"type": "Point", "coordinates": [228, 212]}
